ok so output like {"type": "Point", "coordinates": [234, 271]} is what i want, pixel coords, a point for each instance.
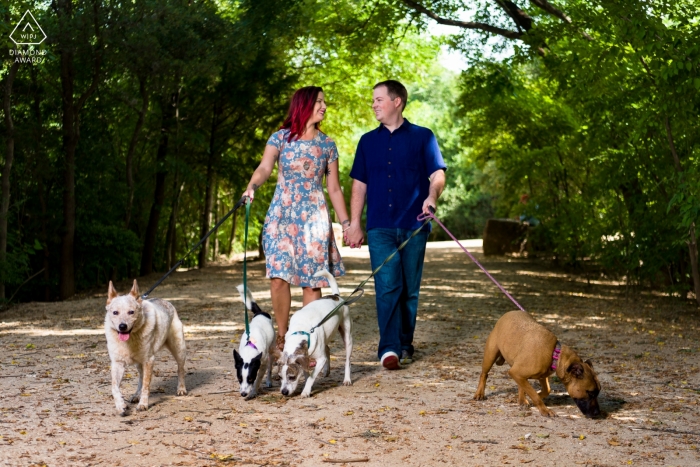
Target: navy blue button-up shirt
{"type": "Point", "coordinates": [396, 168]}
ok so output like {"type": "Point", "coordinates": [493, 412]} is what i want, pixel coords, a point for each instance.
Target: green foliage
{"type": "Point", "coordinates": [588, 131]}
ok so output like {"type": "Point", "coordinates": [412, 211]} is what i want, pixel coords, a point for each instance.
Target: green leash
{"type": "Point", "coordinates": [359, 288]}
{"type": "Point", "coordinates": [245, 267]}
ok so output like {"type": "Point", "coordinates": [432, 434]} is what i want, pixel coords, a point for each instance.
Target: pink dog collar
{"type": "Point", "coordinates": [555, 356]}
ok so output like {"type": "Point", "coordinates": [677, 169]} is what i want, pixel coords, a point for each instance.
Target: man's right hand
{"type": "Point", "coordinates": [354, 235]}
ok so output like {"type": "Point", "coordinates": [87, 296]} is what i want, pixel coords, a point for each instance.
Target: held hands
{"type": "Point", "coordinates": [354, 236]}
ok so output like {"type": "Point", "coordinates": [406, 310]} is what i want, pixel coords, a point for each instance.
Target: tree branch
{"type": "Point", "coordinates": [549, 8]}
{"type": "Point", "coordinates": [552, 10]}
{"type": "Point", "coordinates": [521, 19]}
{"type": "Point", "coordinates": [463, 24]}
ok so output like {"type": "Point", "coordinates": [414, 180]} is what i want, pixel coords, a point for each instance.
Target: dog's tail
{"type": "Point", "coordinates": [331, 280]}
{"type": "Point", "coordinates": [250, 302]}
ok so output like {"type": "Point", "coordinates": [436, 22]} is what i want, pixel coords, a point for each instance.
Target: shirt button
{"type": "Point", "coordinates": [389, 149]}
{"type": "Point", "coordinates": [389, 176]}
{"type": "Point", "coordinates": [389, 162]}
{"type": "Point", "coordinates": [390, 190]}
{"type": "Point", "coordinates": [390, 205]}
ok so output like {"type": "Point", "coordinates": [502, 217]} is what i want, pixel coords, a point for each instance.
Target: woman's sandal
{"type": "Point", "coordinates": [280, 343]}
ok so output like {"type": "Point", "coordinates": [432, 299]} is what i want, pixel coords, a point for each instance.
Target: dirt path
{"type": "Point", "coordinates": [56, 407]}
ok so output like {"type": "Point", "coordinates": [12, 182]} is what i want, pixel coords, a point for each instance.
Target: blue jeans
{"type": "Point", "coordinates": [396, 286]}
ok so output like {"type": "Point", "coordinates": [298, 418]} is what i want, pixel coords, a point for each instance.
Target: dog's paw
{"type": "Point", "coordinates": [142, 407]}
{"type": "Point", "coordinates": [121, 410]}
{"type": "Point", "coordinates": [181, 391]}
{"type": "Point", "coordinates": [250, 396]}
{"type": "Point", "coordinates": [306, 394]}
{"type": "Point", "coordinates": [479, 396]}
{"type": "Point", "coordinates": [547, 413]}
{"type": "Point", "coordinates": [347, 382]}
{"type": "Point", "coordinates": [524, 404]}
{"type": "Point", "coordinates": [135, 398]}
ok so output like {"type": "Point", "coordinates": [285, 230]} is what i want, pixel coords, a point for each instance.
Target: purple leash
{"type": "Point", "coordinates": [423, 217]}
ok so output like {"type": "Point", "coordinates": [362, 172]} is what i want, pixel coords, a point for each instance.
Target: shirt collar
{"type": "Point", "coordinates": [404, 125]}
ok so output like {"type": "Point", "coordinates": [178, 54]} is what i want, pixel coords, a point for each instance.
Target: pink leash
{"type": "Point", "coordinates": [423, 217]}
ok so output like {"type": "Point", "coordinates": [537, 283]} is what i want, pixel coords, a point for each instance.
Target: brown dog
{"type": "Point", "coordinates": [532, 351]}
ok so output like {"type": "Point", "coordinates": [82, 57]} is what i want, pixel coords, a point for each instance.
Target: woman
{"type": "Point", "coordinates": [297, 236]}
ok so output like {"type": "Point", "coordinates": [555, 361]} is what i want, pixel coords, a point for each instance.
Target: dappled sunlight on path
{"type": "Point", "coordinates": [56, 406]}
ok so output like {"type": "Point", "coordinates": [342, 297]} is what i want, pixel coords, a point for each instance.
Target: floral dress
{"type": "Point", "coordinates": [297, 236]}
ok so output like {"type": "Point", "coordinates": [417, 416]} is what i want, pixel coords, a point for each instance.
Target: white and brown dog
{"type": "Point", "coordinates": [301, 345]}
{"type": "Point", "coordinates": [136, 330]}
{"type": "Point", "coordinates": [255, 354]}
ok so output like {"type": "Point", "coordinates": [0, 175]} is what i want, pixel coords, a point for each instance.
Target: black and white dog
{"type": "Point", "coordinates": [255, 353]}
{"type": "Point", "coordinates": [301, 345]}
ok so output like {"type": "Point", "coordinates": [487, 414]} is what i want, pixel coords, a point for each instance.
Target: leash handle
{"type": "Point", "coordinates": [432, 216]}
{"type": "Point", "coordinates": [202, 240]}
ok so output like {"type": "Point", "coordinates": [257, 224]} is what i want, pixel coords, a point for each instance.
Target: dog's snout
{"type": "Point", "coordinates": [285, 392]}
{"type": "Point", "coordinates": [122, 327]}
{"type": "Point", "coordinates": [244, 394]}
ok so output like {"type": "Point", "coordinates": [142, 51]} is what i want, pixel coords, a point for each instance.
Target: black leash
{"type": "Point", "coordinates": [359, 288]}
{"type": "Point", "coordinates": [177, 265]}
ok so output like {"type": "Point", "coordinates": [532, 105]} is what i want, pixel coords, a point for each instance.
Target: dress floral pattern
{"type": "Point", "coordinates": [297, 236]}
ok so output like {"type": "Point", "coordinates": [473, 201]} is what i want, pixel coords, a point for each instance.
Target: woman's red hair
{"type": "Point", "coordinates": [300, 110]}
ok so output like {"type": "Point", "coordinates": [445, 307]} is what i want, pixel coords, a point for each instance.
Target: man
{"type": "Point", "coordinates": [398, 167]}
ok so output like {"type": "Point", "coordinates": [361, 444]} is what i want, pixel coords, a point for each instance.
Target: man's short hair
{"type": "Point", "coordinates": [395, 89]}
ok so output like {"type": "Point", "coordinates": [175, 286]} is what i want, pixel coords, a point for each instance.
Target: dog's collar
{"type": "Point", "coordinates": [555, 356]}
{"type": "Point", "coordinates": [308, 336]}
{"type": "Point", "coordinates": [250, 344]}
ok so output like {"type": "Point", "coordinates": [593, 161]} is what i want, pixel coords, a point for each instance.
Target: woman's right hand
{"type": "Point", "coordinates": [250, 193]}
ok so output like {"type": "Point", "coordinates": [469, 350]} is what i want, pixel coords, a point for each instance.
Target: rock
{"type": "Point", "coordinates": [503, 236]}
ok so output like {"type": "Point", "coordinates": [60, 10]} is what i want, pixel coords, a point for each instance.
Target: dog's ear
{"type": "Point", "coordinates": [111, 293]}
{"type": "Point", "coordinates": [301, 356]}
{"type": "Point", "coordinates": [257, 358]}
{"type": "Point", "coordinates": [576, 370]}
{"type": "Point", "coordinates": [589, 363]}
{"type": "Point", "coordinates": [135, 291]}
{"type": "Point", "coordinates": [237, 358]}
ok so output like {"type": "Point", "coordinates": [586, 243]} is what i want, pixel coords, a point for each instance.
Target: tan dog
{"type": "Point", "coordinates": [534, 353]}
{"type": "Point", "coordinates": [136, 330]}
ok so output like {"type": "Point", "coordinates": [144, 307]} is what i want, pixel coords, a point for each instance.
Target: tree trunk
{"type": "Point", "coordinates": [7, 169]}
{"type": "Point", "coordinates": [693, 249]}
{"type": "Point", "coordinates": [71, 131]}
{"type": "Point", "coordinates": [233, 234]}
{"type": "Point", "coordinates": [692, 244]}
{"type": "Point", "coordinates": [149, 245]}
{"type": "Point", "coordinates": [215, 255]}
{"type": "Point", "coordinates": [212, 164]}
{"type": "Point", "coordinates": [171, 236]}
{"type": "Point", "coordinates": [132, 148]}
{"type": "Point", "coordinates": [42, 191]}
